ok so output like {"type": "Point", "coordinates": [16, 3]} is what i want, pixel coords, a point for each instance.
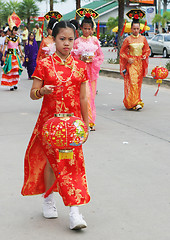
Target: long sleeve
{"type": "Point", "coordinates": [146, 52]}
{"type": "Point", "coordinates": [99, 56]}
{"type": "Point", "coordinates": [124, 55]}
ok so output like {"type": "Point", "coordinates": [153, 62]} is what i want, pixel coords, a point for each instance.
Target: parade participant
{"type": "Point", "coordinates": [12, 68]}
{"type": "Point", "coordinates": [61, 80]}
{"type": "Point", "coordinates": [38, 34]}
{"type": "Point", "coordinates": [87, 48]}
{"type": "Point", "coordinates": [47, 46]}
{"type": "Point", "coordinates": [2, 41]}
{"type": "Point", "coordinates": [24, 36]}
{"type": "Point", "coordinates": [31, 51]}
{"type": "Point", "coordinates": [134, 55]}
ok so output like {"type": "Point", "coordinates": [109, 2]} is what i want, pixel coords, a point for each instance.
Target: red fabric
{"type": "Point", "coordinates": [98, 30]}
{"type": "Point", "coordinates": [144, 27]}
{"type": "Point", "coordinates": [71, 177]}
{"type": "Point", "coordinates": [42, 27]}
{"type": "Point", "coordinates": [123, 29]}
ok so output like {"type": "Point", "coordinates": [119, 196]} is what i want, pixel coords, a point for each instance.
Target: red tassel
{"type": "Point", "coordinates": [77, 34]}
{"type": "Point", "coordinates": [123, 28]}
{"type": "Point", "coordinates": [42, 27]}
{"type": "Point", "coordinates": [98, 30]}
{"type": "Point", "coordinates": [50, 190]}
{"type": "Point", "coordinates": [144, 27]}
{"type": "Point", "coordinates": [157, 90]}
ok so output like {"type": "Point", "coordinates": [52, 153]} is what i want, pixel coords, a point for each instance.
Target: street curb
{"type": "Point", "coordinates": [116, 74]}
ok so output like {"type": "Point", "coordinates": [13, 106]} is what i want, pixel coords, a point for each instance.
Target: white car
{"type": "Point", "coordinates": [160, 45]}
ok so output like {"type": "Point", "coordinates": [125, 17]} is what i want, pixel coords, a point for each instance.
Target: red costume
{"type": "Point", "coordinates": [71, 182]}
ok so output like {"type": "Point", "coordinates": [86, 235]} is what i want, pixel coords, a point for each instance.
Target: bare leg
{"type": "Point", "coordinates": [49, 176]}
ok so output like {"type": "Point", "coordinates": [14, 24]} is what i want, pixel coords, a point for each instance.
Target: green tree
{"type": "Point", "coordinates": [1, 12]}
{"type": "Point", "coordinates": [161, 19]}
{"type": "Point", "coordinates": [28, 9]}
{"type": "Point", "coordinates": [112, 22]}
{"type": "Point", "coordinates": [8, 8]}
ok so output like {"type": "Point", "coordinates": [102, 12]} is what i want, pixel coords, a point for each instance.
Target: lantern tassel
{"type": "Point", "coordinates": [98, 30]}
{"type": "Point", "coordinates": [42, 27]}
{"type": "Point", "coordinates": [157, 90]}
{"type": "Point", "coordinates": [123, 29]}
{"type": "Point", "coordinates": [144, 27]}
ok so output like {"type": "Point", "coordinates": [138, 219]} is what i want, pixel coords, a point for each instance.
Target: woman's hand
{"type": "Point", "coordinates": [143, 57]}
{"type": "Point", "coordinates": [130, 60]}
{"type": "Point", "coordinates": [3, 59]}
{"type": "Point", "coordinates": [47, 89]}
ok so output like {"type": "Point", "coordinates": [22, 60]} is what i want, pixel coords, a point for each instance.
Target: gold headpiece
{"type": "Point", "coordinates": [134, 13]}
{"type": "Point", "coordinates": [87, 12]}
{"type": "Point", "coordinates": [53, 14]}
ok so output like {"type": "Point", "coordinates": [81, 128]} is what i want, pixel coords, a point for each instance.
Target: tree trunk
{"type": "Point", "coordinates": [51, 5]}
{"type": "Point", "coordinates": [165, 5]}
{"type": "Point", "coordinates": [78, 5]}
{"type": "Point", "coordinates": [28, 23]}
{"type": "Point", "coordinates": [159, 12]}
{"type": "Point", "coordinates": [120, 24]}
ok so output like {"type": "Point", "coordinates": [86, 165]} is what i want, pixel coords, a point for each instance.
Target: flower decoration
{"type": "Point", "coordinates": [88, 12]}
{"type": "Point", "coordinates": [136, 16]}
{"type": "Point", "coordinates": [53, 14]}
{"type": "Point", "coordinates": [133, 13]}
{"type": "Point", "coordinates": [88, 15]}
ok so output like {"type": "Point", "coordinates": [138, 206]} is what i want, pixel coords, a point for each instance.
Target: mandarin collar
{"type": "Point", "coordinates": [135, 36]}
{"type": "Point", "coordinates": [67, 61]}
{"type": "Point", "coordinates": [85, 37]}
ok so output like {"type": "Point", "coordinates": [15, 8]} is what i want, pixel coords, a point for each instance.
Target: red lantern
{"type": "Point", "coordinates": [159, 73]}
{"type": "Point", "coordinates": [64, 132]}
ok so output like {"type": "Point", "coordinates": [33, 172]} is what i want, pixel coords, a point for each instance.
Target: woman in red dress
{"type": "Point", "coordinates": [61, 80]}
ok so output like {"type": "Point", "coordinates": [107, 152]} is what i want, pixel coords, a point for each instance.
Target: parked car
{"type": "Point", "coordinates": [160, 45]}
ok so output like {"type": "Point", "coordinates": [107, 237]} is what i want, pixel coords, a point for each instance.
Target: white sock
{"type": "Point", "coordinates": [74, 209]}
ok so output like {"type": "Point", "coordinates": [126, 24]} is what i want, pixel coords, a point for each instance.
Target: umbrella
{"type": "Point", "coordinates": [128, 28]}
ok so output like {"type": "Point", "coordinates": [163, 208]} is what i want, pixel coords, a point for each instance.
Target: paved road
{"type": "Point", "coordinates": [127, 161]}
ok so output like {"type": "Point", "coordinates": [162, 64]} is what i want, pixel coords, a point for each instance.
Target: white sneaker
{"type": "Point", "coordinates": [138, 107]}
{"type": "Point", "coordinates": [49, 209]}
{"type": "Point", "coordinates": [77, 221]}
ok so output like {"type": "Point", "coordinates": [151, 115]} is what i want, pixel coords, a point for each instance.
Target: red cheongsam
{"type": "Point", "coordinates": [71, 176]}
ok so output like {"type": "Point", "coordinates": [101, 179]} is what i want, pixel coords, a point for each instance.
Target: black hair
{"type": "Point", "coordinates": [135, 21]}
{"type": "Point", "coordinates": [87, 20]}
{"type": "Point", "coordinates": [51, 23]}
{"type": "Point", "coordinates": [15, 28]}
{"type": "Point", "coordinates": [31, 33]}
{"type": "Point", "coordinates": [73, 24]}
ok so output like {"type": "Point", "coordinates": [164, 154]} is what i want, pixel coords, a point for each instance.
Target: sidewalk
{"type": "Point", "coordinates": [113, 70]}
